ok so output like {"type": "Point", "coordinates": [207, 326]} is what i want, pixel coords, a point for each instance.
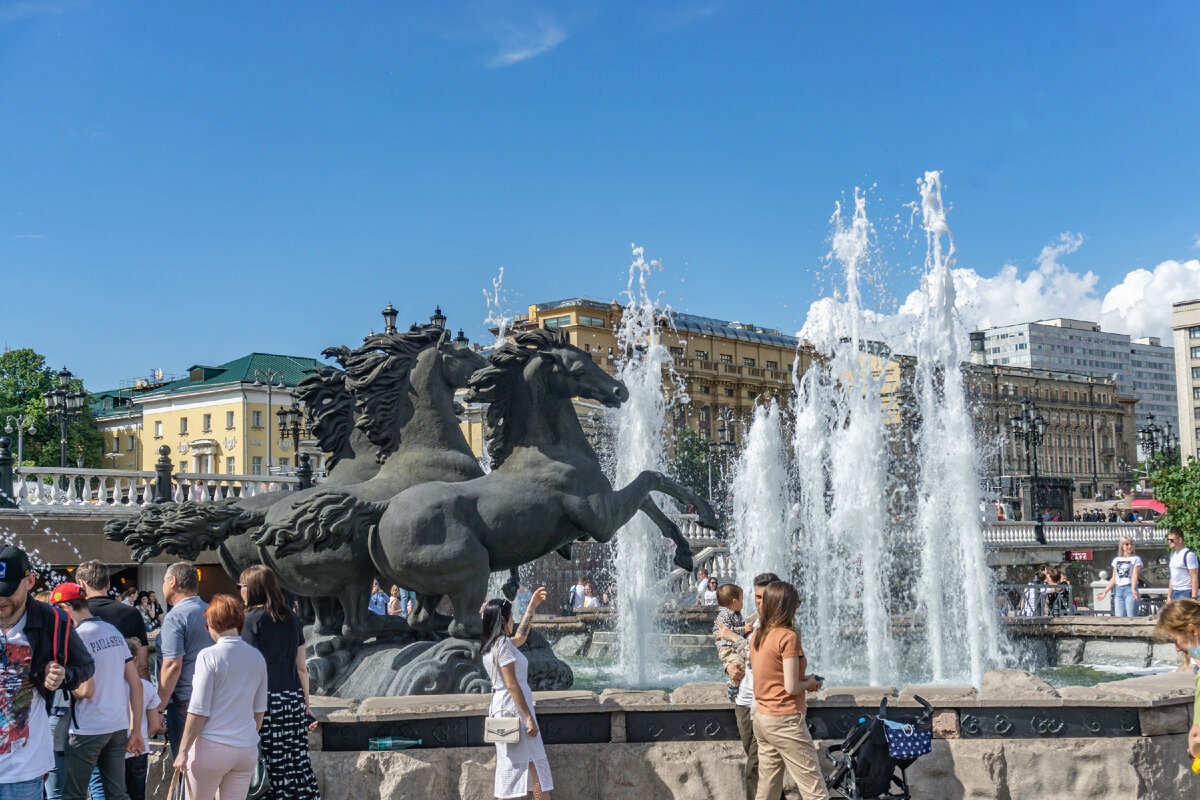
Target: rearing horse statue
{"type": "Point", "coordinates": [546, 490]}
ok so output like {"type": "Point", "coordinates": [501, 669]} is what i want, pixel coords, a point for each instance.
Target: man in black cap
{"type": "Point", "coordinates": [94, 578]}
{"type": "Point", "coordinates": [39, 654]}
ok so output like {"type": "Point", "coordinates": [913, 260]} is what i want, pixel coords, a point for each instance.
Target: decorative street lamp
{"type": "Point", "coordinates": [389, 319]}
{"type": "Point", "coordinates": [291, 425]}
{"type": "Point", "coordinates": [64, 404]}
{"type": "Point", "coordinates": [1158, 440]}
{"type": "Point", "coordinates": [722, 443]}
{"type": "Point", "coordinates": [272, 379]}
{"type": "Point", "coordinates": [24, 424]}
{"type": "Point", "coordinates": [1030, 427]}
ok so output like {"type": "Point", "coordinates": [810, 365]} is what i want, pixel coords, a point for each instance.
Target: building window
{"type": "Point", "coordinates": [256, 465]}
{"type": "Point", "coordinates": [597, 321]}
{"type": "Point", "coordinates": [1196, 392]}
{"type": "Point", "coordinates": [231, 466]}
{"type": "Point", "coordinates": [729, 392]}
{"type": "Point", "coordinates": [753, 394]}
{"type": "Point", "coordinates": [132, 444]}
{"type": "Point", "coordinates": [158, 429]}
{"type": "Point", "coordinates": [256, 420]}
{"type": "Point", "coordinates": [183, 426]}
{"type": "Point", "coordinates": [555, 322]}
{"type": "Point", "coordinates": [283, 462]}
{"type": "Point", "coordinates": [676, 352]}
{"type": "Point", "coordinates": [116, 443]}
{"type": "Point", "coordinates": [1194, 332]}
{"type": "Point", "coordinates": [1196, 413]}
{"type": "Point", "coordinates": [1196, 373]}
{"type": "Point", "coordinates": [1196, 352]}
{"type": "Point", "coordinates": [773, 365]}
{"type": "Point", "coordinates": [703, 389]}
{"type": "Point", "coordinates": [726, 358]}
{"type": "Point", "coordinates": [207, 423]}
{"type": "Point", "coordinates": [228, 420]}
{"type": "Point", "coordinates": [702, 355]}
{"type": "Point", "coordinates": [747, 362]}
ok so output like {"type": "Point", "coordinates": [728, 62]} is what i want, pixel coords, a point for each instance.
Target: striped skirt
{"type": "Point", "coordinates": [284, 737]}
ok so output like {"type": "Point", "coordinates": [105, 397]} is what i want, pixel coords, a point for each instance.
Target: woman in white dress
{"type": "Point", "coordinates": [522, 767]}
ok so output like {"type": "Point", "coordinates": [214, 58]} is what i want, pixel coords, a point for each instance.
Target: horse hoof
{"type": "Point", "coordinates": [510, 591]}
{"type": "Point", "coordinates": [684, 561]}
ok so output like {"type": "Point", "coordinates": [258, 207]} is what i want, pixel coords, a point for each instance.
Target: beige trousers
{"type": "Point", "coordinates": [784, 743]}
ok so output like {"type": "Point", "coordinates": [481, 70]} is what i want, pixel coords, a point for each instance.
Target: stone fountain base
{"type": "Point", "coordinates": [1018, 737]}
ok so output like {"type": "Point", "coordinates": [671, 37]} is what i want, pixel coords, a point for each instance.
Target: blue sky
{"type": "Point", "coordinates": [185, 183]}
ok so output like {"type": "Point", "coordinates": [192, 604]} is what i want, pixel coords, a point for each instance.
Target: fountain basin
{"type": "Point", "coordinates": [683, 745]}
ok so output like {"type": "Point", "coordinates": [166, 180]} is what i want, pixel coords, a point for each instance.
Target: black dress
{"type": "Point", "coordinates": [284, 733]}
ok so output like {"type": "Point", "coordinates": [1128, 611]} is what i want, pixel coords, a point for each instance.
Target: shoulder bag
{"type": "Point", "coordinates": [501, 729]}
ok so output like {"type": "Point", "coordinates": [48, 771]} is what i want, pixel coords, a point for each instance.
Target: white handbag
{"type": "Point", "coordinates": [506, 730]}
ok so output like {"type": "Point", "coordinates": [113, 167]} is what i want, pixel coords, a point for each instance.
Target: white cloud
{"type": "Point", "coordinates": [518, 41]}
{"type": "Point", "coordinates": [1139, 305]}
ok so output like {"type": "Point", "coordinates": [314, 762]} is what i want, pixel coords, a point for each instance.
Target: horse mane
{"type": "Point", "coordinates": [376, 374]}
{"type": "Point", "coordinates": [494, 384]}
{"type": "Point", "coordinates": [329, 407]}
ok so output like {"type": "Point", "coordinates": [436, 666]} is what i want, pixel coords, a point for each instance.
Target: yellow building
{"type": "Point", "coordinates": [724, 367]}
{"type": "Point", "coordinates": [216, 419]}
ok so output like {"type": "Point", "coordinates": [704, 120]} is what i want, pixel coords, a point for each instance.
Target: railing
{"type": "Point", "coordinates": [1037, 600]}
{"type": "Point", "coordinates": [41, 487]}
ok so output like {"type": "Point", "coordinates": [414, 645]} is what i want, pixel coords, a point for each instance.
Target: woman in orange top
{"type": "Point", "coordinates": [778, 665]}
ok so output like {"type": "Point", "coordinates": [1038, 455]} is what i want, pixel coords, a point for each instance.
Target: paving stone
{"type": "Point", "coordinates": [375, 709]}
{"type": "Point", "coordinates": [706, 695]}
{"type": "Point", "coordinates": [628, 698]}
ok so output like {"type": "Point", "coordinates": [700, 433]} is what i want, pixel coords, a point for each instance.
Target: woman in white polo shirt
{"type": "Point", "coordinates": [219, 748]}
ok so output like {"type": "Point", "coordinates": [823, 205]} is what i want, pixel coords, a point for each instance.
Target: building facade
{"type": "Point", "coordinates": [216, 420]}
{"type": "Point", "coordinates": [1144, 368]}
{"type": "Point", "coordinates": [1185, 324]}
{"type": "Point", "coordinates": [724, 368]}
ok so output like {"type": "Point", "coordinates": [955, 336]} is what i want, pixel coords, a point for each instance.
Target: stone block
{"type": "Point", "coordinates": [566, 700]}
{"type": "Point", "coordinates": [631, 698]}
{"type": "Point", "coordinates": [1117, 653]}
{"type": "Point", "coordinates": [940, 696]}
{"type": "Point", "coordinates": [706, 695]}
{"type": "Point", "coordinates": [1164, 654]}
{"type": "Point", "coordinates": [1167, 688]}
{"type": "Point", "coordinates": [1008, 687]}
{"type": "Point", "coordinates": [571, 644]}
{"type": "Point", "coordinates": [1099, 696]}
{"type": "Point", "coordinates": [857, 696]}
{"type": "Point", "coordinates": [378, 709]}
{"type": "Point", "coordinates": [1165, 720]}
{"type": "Point", "coordinates": [334, 709]}
{"type": "Point", "coordinates": [945, 725]}
{"type": "Point", "coordinates": [604, 637]}
{"type": "Point", "coordinates": [1070, 652]}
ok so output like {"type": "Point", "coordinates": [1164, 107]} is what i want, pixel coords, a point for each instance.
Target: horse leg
{"type": "Point", "coordinates": [511, 586]}
{"type": "Point", "coordinates": [424, 616]}
{"type": "Point", "coordinates": [683, 551]}
{"type": "Point", "coordinates": [672, 488]}
{"type": "Point", "coordinates": [355, 601]}
{"type": "Point", "coordinates": [328, 616]}
{"type": "Point", "coordinates": [467, 599]}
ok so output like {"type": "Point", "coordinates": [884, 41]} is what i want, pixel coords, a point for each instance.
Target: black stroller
{"type": "Point", "coordinates": [866, 763]}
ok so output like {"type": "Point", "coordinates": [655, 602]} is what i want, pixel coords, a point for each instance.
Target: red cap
{"type": "Point", "coordinates": [67, 591]}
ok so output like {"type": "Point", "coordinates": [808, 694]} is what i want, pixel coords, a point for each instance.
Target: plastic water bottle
{"type": "Point", "coordinates": [392, 743]}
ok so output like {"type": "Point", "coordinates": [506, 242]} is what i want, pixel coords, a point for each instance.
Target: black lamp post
{"type": "Point", "coordinates": [722, 444]}
{"type": "Point", "coordinates": [1158, 440]}
{"type": "Point", "coordinates": [63, 404]}
{"type": "Point", "coordinates": [438, 320]}
{"type": "Point", "coordinates": [389, 319]}
{"type": "Point", "coordinates": [272, 379]}
{"type": "Point", "coordinates": [1030, 427]}
{"type": "Point", "coordinates": [291, 425]}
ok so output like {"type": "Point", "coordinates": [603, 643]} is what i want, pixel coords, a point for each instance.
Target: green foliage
{"type": "Point", "coordinates": [24, 378]}
{"type": "Point", "coordinates": [689, 465]}
{"type": "Point", "coordinates": [1178, 488]}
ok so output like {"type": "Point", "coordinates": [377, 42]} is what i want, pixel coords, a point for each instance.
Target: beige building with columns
{"type": "Point", "coordinates": [1185, 324]}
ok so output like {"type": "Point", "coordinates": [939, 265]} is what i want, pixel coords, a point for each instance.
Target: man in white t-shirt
{"type": "Point", "coordinates": [701, 585]}
{"type": "Point", "coordinates": [1185, 568]}
{"type": "Point", "coordinates": [577, 594]}
{"type": "Point", "coordinates": [109, 722]}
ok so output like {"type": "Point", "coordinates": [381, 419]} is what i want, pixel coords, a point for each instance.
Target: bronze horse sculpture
{"type": "Point", "coordinates": [546, 490]}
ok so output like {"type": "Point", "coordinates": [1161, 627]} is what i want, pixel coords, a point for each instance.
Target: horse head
{"type": "Point", "coordinates": [569, 372]}
{"type": "Point", "coordinates": [458, 361]}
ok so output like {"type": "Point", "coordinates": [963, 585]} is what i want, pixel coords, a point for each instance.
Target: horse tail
{"type": "Point", "coordinates": [322, 521]}
{"type": "Point", "coordinates": [182, 529]}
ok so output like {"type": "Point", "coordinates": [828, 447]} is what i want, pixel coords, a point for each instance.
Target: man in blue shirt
{"type": "Point", "coordinates": [181, 639]}
{"type": "Point", "coordinates": [378, 602]}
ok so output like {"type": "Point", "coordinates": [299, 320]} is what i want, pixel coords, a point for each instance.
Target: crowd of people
{"type": "Point", "coordinates": [79, 700]}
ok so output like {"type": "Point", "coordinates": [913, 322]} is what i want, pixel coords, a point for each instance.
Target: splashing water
{"type": "Point", "coordinates": [763, 526]}
{"type": "Point", "coordinates": [638, 425]}
{"type": "Point", "coordinates": [498, 315]}
{"type": "Point", "coordinates": [956, 590]}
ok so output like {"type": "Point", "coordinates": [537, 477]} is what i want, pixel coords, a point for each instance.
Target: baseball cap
{"type": "Point", "coordinates": [67, 591]}
{"type": "Point", "coordinates": [14, 567]}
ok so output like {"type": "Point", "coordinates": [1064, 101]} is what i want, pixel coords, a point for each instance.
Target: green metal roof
{"type": "Point", "coordinates": [291, 369]}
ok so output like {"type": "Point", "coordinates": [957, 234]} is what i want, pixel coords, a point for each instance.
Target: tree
{"type": "Point", "coordinates": [24, 379]}
{"type": "Point", "coordinates": [689, 465]}
{"type": "Point", "coordinates": [1178, 488]}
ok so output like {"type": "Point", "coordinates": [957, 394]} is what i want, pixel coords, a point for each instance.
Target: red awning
{"type": "Point", "coordinates": [1151, 504]}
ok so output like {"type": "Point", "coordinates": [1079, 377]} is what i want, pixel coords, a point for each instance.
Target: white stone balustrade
{"type": "Point", "coordinates": [46, 487]}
